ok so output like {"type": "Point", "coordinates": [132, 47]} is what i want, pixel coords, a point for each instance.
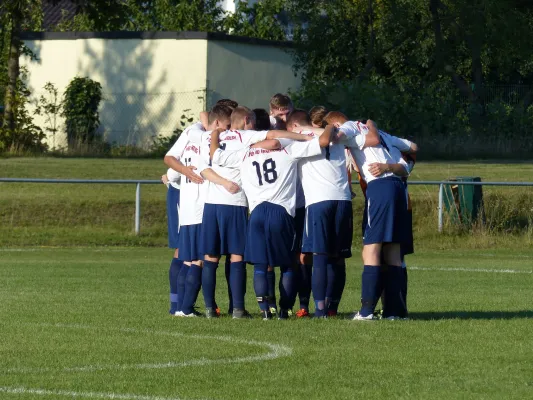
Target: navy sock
{"type": "Point", "coordinates": [338, 286]}
{"type": "Point", "coordinates": [261, 285]}
{"type": "Point", "coordinates": [227, 270]}
{"type": "Point", "coordinates": [404, 291]}
{"type": "Point", "coordinates": [393, 288]}
{"type": "Point", "coordinates": [209, 282]}
{"type": "Point", "coordinates": [173, 273]}
{"type": "Point", "coordinates": [286, 288]}
{"type": "Point", "coordinates": [271, 278]}
{"type": "Point", "coordinates": [193, 282]}
{"type": "Point", "coordinates": [304, 291]}
{"type": "Point", "coordinates": [330, 276]}
{"type": "Point", "coordinates": [181, 285]}
{"type": "Point", "coordinates": [319, 283]}
{"type": "Point", "coordinates": [369, 289]}
{"type": "Point", "coordinates": [238, 283]}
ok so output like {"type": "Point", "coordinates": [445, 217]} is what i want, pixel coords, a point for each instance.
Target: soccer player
{"type": "Point", "coordinates": [225, 215]}
{"type": "Point", "coordinates": [381, 167]}
{"type": "Point", "coordinates": [269, 180]}
{"type": "Point", "coordinates": [262, 119]}
{"type": "Point", "coordinates": [317, 114]}
{"type": "Point", "coordinates": [280, 106]}
{"type": "Point", "coordinates": [328, 219]}
{"type": "Point", "coordinates": [172, 180]}
{"type": "Point", "coordinates": [185, 158]}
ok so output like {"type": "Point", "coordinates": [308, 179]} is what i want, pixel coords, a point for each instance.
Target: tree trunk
{"type": "Point", "coordinates": [12, 75]}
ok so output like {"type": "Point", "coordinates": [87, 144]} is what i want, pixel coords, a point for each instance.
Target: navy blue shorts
{"type": "Point", "coordinates": [190, 243]}
{"type": "Point", "coordinates": [224, 229]}
{"type": "Point", "coordinates": [329, 228]}
{"type": "Point", "coordinates": [299, 224]}
{"type": "Point", "coordinates": [386, 212]}
{"type": "Point", "coordinates": [271, 236]}
{"type": "Point", "coordinates": [173, 220]}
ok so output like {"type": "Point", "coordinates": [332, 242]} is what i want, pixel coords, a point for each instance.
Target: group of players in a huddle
{"type": "Point", "coordinates": [274, 190]}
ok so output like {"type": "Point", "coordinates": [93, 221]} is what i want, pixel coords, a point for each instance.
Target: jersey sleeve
{"type": "Point", "coordinates": [355, 135]}
{"type": "Point", "coordinates": [173, 176]}
{"type": "Point", "coordinates": [202, 165]}
{"type": "Point", "coordinates": [196, 132]}
{"type": "Point", "coordinates": [178, 148]}
{"type": "Point", "coordinates": [400, 143]}
{"type": "Point", "coordinates": [299, 150]}
{"type": "Point", "coordinates": [254, 137]}
{"type": "Point", "coordinates": [231, 159]}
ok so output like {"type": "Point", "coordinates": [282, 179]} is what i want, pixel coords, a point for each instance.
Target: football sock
{"type": "Point", "coordinates": [181, 285]}
{"type": "Point", "coordinates": [369, 289]}
{"type": "Point", "coordinates": [173, 273]}
{"type": "Point", "coordinates": [394, 285]}
{"type": "Point", "coordinates": [209, 281]}
{"type": "Point", "coordinates": [193, 281]}
{"type": "Point", "coordinates": [319, 283]}
{"type": "Point", "coordinates": [227, 269]}
{"type": "Point", "coordinates": [238, 283]}
{"type": "Point", "coordinates": [271, 279]}
{"type": "Point", "coordinates": [405, 284]}
{"type": "Point", "coordinates": [338, 286]}
{"type": "Point", "coordinates": [304, 290]}
{"type": "Point", "coordinates": [286, 288]}
{"type": "Point", "coordinates": [330, 276]}
{"type": "Point", "coordinates": [261, 285]}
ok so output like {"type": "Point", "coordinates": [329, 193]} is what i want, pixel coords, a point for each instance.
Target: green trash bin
{"type": "Point", "coordinates": [464, 203]}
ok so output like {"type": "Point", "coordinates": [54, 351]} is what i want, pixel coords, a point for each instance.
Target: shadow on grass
{"type": "Point", "coordinates": [435, 315]}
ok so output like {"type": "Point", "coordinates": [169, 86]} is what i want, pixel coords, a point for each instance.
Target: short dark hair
{"type": "Point", "coordinates": [262, 119]}
{"type": "Point", "coordinates": [228, 102]}
{"type": "Point", "coordinates": [219, 112]}
{"type": "Point", "coordinates": [298, 116]}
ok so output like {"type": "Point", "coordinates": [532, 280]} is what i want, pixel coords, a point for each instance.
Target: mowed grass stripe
{"type": "Point", "coordinates": [469, 336]}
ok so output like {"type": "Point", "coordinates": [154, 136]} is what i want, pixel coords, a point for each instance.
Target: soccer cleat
{"type": "Point", "coordinates": [266, 315]}
{"type": "Point", "coordinates": [392, 318]}
{"type": "Point", "coordinates": [302, 313]}
{"type": "Point", "coordinates": [211, 313]}
{"type": "Point", "coordinates": [332, 313]}
{"type": "Point", "coordinates": [358, 317]}
{"type": "Point", "coordinates": [378, 314]}
{"type": "Point", "coordinates": [241, 314]}
{"type": "Point", "coordinates": [182, 314]}
{"type": "Point", "coordinates": [273, 311]}
{"type": "Point", "coordinates": [219, 313]}
{"type": "Point", "coordinates": [284, 314]}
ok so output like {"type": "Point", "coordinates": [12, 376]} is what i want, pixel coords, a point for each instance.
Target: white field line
{"type": "Point", "coordinates": [88, 395]}
{"type": "Point", "coordinates": [275, 351]}
{"type": "Point", "coordinates": [483, 270]}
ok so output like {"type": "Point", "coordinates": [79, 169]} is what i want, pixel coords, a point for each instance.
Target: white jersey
{"type": "Point", "coordinates": [388, 151]}
{"type": "Point", "coordinates": [230, 140]}
{"type": "Point", "coordinates": [192, 195]}
{"type": "Point", "coordinates": [324, 176]}
{"type": "Point", "coordinates": [270, 175]}
{"type": "Point", "coordinates": [174, 178]}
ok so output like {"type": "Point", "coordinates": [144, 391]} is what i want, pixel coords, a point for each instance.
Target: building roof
{"type": "Point", "coordinates": [53, 14]}
{"type": "Point", "coordinates": [152, 35]}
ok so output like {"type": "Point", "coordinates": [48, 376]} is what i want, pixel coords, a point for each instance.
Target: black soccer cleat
{"type": "Point", "coordinates": [211, 313]}
{"type": "Point", "coordinates": [239, 313]}
{"type": "Point", "coordinates": [266, 315]}
{"type": "Point", "coordinates": [284, 314]}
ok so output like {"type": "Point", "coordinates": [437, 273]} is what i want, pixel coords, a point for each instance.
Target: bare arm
{"type": "Point", "coordinates": [327, 136]}
{"type": "Point", "coordinates": [177, 165]}
{"type": "Point", "coordinates": [377, 169]}
{"type": "Point", "coordinates": [275, 134]}
{"type": "Point", "coordinates": [372, 137]}
{"type": "Point", "coordinates": [215, 142]}
{"type": "Point", "coordinates": [204, 119]}
{"type": "Point", "coordinates": [269, 144]}
{"type": "Point", "coordinates": [212, 176]}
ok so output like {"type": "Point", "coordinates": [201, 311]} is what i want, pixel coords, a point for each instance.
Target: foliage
{"type": "Point", "coordinates": [26, 137]}
{"type": "Point", "coordinates": [161, 144]}
{"type": "Point", "coordinates": [261, 20]}
{"type": "Point", "coordinates": [50, 106]}
{"type": "Point", "coordinates": [80, 109]}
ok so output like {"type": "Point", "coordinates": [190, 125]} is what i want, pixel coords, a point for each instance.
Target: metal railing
{"type": "Point", "coordinates": [140, 182]}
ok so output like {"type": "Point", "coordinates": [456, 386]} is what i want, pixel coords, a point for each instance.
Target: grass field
{"type": "Point", "coordinates": [93, 323]}
{"type": "Point", "coordinates": [81, 215]}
